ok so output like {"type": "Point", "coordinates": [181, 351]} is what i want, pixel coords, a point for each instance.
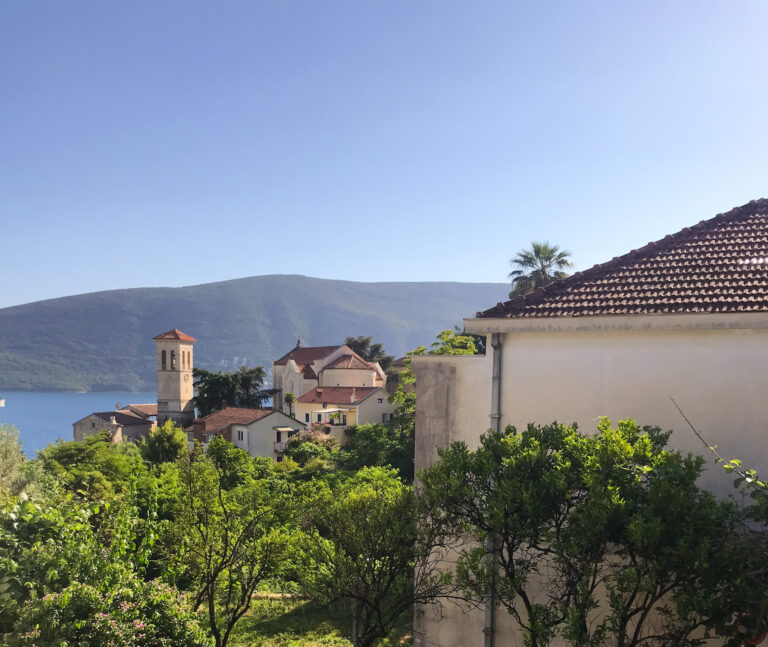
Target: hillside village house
{"type": "Point", "coordinates": [260, 432]}
{"type": "Point", "coordinates": [335, 386]}
{"type": "Point", "coordinates": [685, 318]}
{"type": "Point", "coordinates": [305, 368]}
{"type": "Point", "coordinates": [342, 406]}
{"type": "Point", "coordinates": [125, 424]}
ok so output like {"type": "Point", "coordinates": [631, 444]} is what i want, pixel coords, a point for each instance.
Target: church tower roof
{"type": "Point", "coordinates": [174, 335]}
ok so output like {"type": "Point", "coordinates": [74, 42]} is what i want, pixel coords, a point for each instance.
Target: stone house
{"type": "Point", "coordinates": [685, 317]}
{"type": "Point", "coordinates": [126, 424]}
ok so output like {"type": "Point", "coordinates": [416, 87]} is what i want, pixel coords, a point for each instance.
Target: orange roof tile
{"type": "Point", "coordinates": [174, 335]}
{"type": "Point", "coordinates": [336, 394]}
{"type": "Point", "coordinates": [230, 416]}
{"type": "Point", "coordinates": [352, 360]}
{"type": "Point", "coordinates": [718, 265]}
{"type": "Point", "coordinates": [303, 356]}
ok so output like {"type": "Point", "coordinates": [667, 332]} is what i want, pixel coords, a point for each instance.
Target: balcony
{"type": "Point", "coordinates": [279, 448]}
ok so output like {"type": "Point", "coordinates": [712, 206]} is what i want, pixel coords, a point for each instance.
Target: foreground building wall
{"type": "Point", "coordinates": [577, 370]}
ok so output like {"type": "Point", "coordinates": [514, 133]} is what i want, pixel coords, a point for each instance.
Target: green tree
{"type": "Point", "coordinates": [290, 400]}
{"type": "Point", "coordinates": [77, 571]}
{"type": "Point", "coordinates": [231, 534]}
{"type": "Point", "coordinates": [12, 463]}
{"type": "Point", "coordinates": [306, 446]}
{"type": "Point", "coordinates": [164, 444]}
{"type": "Point", "coordinates": [538, 266]}
{"type": "Point", "coordinates": [597, 540]}
{"type": "Point", "coordinates": [243, 388]}
{"type": "Point", "coordinates": [375, 445]}
{"type": "Point", "coordinates": [95, 468]}
{"type": "Point", "coordinates": [369, 549]}
{"type": "Point", "coordinates": [369, 351]}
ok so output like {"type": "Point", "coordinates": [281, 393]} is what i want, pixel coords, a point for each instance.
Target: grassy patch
{"type": "Point", "coordinates": [291, 622]}
{"type": "Point", "coordinates": [294, 622]}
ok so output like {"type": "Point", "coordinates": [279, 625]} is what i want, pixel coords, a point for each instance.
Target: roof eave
{"type": "Point", "coordinates": [673, 321]}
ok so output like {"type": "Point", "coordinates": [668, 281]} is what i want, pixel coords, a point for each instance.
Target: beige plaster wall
{"type": "Point", "coordinates": [370, 409]}
{"type": "Point", "coordinates": [347, 377]}
{"type": "Point", "coordinates": [174, 386]}
{"type": "Point", "coordinates": [718, 375]}
{"type": "Point", "coordinates": [261, 435]}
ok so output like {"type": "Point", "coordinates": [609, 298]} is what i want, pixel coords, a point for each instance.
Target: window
{"type": "Point", "coordinates": [306, 417]}
{"type": "Point", "coordinates": [279, 436]}
{"type": "Point", "coordinates": [162, 360]}
{"type": "Point", "coordinates": [319, 417]}
{"type": "Point", "coordinates": [173, 360]}
{"type": "Point", "coordinates": [291, 434]}
{"type": "Point", "coordinates": [240, 434]}
{"type": "Point", "coordinates": [383, 417]}
{"type": "Point", "coordinates": [93, 425]}
{"type": "Point", "coordinates": [344, 419]}
{"type": "Point", "coordinates": [380, 400]}
{"type": "Point", "coordinates": [279, 459]}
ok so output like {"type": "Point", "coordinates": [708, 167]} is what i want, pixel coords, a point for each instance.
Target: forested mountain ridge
{"type": "Point", "coordinates": [103, 340]}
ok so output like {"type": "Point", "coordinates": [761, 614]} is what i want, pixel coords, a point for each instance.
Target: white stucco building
{"type": "Point", "coordinates": [260, 432]}
{"type": "Point", "coordinates": [305, 368]}
{"type": "Point", "coordinates": [685, 318]}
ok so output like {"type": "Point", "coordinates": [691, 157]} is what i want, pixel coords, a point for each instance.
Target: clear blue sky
{"type": "Point", "coordinates": [180, 142]}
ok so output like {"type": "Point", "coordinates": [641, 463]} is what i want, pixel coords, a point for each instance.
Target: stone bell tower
{"type": "Point", "coordinates": [174, 378]}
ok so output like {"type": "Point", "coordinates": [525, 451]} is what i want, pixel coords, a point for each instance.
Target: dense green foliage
{"type": "Point", "coordinates": [369, 351]}
{"type": "Point", "coordinates": [243, 388]}
{"type": "Point", "coordinates": [44, 345]}
{"type": "Point", "coordinates": [594, 539]}
{"type": "Point", "coordinates": [371, 551]}
{"type": "Point", "coordinates": [164, 444]}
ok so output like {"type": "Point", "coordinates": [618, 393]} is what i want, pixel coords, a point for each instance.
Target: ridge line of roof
{"type": "Point", "coordinates": [500, 310]}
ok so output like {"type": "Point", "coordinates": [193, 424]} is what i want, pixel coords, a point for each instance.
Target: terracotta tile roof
{"type": "Point", "coordinates": [124, 418]}
{"type": "Point", "coordinates": [174, 335]}
{"type": "Point", "coordinates": [303, 356]}
{"type": "Point", "coordinates": [145, 410]}
{"type": "Point", "coordinates": [352, 360]}
{"type": "Point", "coordinates": [336, 394]}
{"type": "Point", "coordinates": [718, 265]}
{"type": "Point", "coordinates": [230, 416]}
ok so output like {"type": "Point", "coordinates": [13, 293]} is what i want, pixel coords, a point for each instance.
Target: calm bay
{"type": "Point", "coordinates": [45, 416]}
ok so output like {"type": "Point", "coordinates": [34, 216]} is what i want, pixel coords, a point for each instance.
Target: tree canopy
{"type": "Point", "coordinates": [591, 539]}
{"type": "Point", "coordinates": [538, 266]}
{"type": "Point", "coordinates": [369, 351]}
{"type": "Point", "coordinates": [243, 388]}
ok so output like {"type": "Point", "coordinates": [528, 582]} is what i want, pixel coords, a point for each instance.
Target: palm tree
{"type": "Point", "coordinates": [536, 267]}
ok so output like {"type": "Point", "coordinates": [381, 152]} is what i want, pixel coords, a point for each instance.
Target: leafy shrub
{"type": "Point", "coordinates": [141, 614]}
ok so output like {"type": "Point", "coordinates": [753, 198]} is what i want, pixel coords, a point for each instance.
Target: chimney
{"type": "Point", "coordinates": [354, 396]}
{"type": "Point", "coordinates": [223, 404]}
{"type": "Point", "coordinates": [298, 343]}
{"type": "Point", "coordinates": [112, 420]}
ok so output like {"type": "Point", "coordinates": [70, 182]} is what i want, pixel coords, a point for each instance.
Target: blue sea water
{"type": "Point", "coordinates": [44, 416]}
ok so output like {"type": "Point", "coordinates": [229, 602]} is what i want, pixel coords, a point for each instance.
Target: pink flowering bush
{"type": "Point", "coordinates": [141, 614]}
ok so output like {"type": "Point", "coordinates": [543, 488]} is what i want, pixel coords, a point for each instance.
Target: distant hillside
{"type": "Point", "coordinates": [103, 341]}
